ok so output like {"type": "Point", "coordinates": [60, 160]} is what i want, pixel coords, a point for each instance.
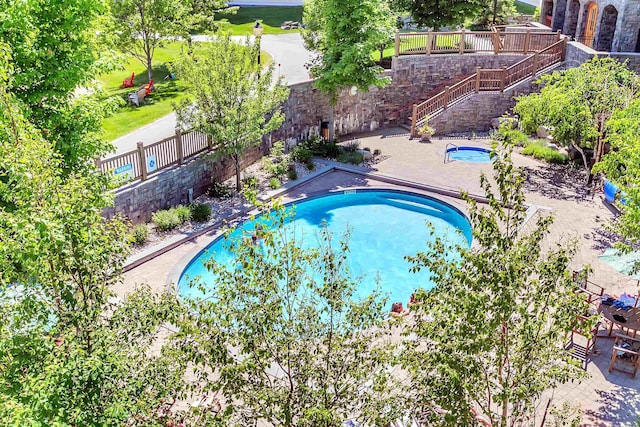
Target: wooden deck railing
{"type": "Point", "coordinates": [494, 41]}
{"type": "Point", "coordinates": [488, 80]}
{"type": "Point", "coordinates": [145, 160]}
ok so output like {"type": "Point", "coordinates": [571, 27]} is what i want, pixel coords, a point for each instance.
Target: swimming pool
{"type": "Point", "coordinates": [469, 154]}
{"type": "Point", "coordinates": [385, 226]}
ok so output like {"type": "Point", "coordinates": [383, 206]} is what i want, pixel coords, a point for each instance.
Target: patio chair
{"type": "Point", "coordinates": [581, 345]}
{"type": "Point", "coordinates": [128, 82]}
{"type": "Point", "coordinates": [137, 97]}
{"type": "Point", "coordinates": [592, 291]}
{"type": "Point", "coordinates": [626, 354]}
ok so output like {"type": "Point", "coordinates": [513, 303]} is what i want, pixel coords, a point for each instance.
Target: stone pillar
{"type": "Point", "coordinates": [596, 33]}
{"type": "Point", "coordinates": [580, 27]}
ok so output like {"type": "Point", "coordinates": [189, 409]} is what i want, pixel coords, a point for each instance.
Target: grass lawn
{"type": "Point", "coordinates": [525, 8]}
{"type": "Point", "coordinates": [130, 117]}
{"type": "Point", "coordinates": [270, 17]}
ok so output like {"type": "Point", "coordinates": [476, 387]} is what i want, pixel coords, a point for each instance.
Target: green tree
{"type": "Point", "coordinates": [495, 12]}
{"type": "Point", "coordinates": [57, 48]}
{"type": "Point", "coordinates": [142, 26]}
{"type": "Point", "coordinates": [344, 33]}
{"type": "Point", "coordinates": [576, 103]}
{"type": "Point", "coordinates": [302, 350]}
{"type": "Point", "coordinates": [436, 14]}
{"type": "Point", "coordinates": [230, 97]}
{"type": "Point", "coordinates": [621, 165]}
{"type": "Point", "coordinates": [489, 338]}
{"type": "Point", "coordinates": [69, 355]}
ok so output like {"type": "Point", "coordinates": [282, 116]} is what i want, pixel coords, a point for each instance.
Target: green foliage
{"type": "Point", "coordinates": [351, 146]}
{"type": "Point", "coordinates": [277, 163]}
{"type": "Point", "coordinates": [63, 361]}
{"type": "Point", "coordinates": [354, 158]}
{"type": "Point", "coordinates": [274, 183]}
{"type": "Point", "coordinates": [490, 336]}
{"type": "Point", "coordinates": [377, 152]}
{"type": "Point", "coordinates": [231, 99]}
{"type": "Point", "coordinates": [167, 219]}
{"type": "Point", "coordinates": [250, 182]}
{"type": "Point", "coordinates": [301, 153]}
{"type": "Point", "coordinates": [437, 13]}
{"type": "Point", "coordinates": [510, 136]}
{"type": "Point", "coordinates": [541, 151]}
{"type": "Point", "coordinates": [496, 12]}
{"type": "Point", "coordinates": [219, 190]}
{"type": "Point", "coordinates": [271, 18]}
{"type": "Point", "coordinates": [183, 212]}
{"type": "Point", "coordinates": [574, 103]}
{"type": "Point", "coordinates": [53, 54]}
{"type": "Point", "coordinates": [139, 234]}
{"type": "Point", "coordinates": [293, 175]}
{"type": "Point", "coordinates": [290, 310]}
{"type": "Point", "coordinates": [200, 212]}
{"type": "Point", "coordinates": [310, 164]}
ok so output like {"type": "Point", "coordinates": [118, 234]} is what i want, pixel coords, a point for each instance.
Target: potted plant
{"type": "Point", "coordinates": [425, 131]}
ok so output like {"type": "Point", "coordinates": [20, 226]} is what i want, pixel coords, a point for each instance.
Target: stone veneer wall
{"type": "Point", "coordinates": [577, 53]}
{"type": "Point", "coordinates": [412, 77]}
{"type": "Point", "coordinates": [139, 200]}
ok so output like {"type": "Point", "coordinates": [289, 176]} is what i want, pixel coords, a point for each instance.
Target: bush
{"type": "Point", "coordinates": [218, 189]}
{"type": "Point", "coordinates": [319, 147]}
{"type": "Point", "coordinates": [139, 234]}
{"type": "Point", "coordinates": [310, 165]}
{"type": "Point", "coordinates": [274, 183]}
{"type": "Point", "coordinates": [542, 152]}
{"type": "Point", "coordinates": [293, 174]}
{"type": "Point", "coordinates": [367, 149]}
{"type": "Point", "coordinates": [352, 146]}
{"type": "Point", "coordinates": [166, 220]}
{"type": "Point", "coordinates": [511, 136]}
{"type": "Point", "coordinates": [377, 152]}
{"type": "Point", "coordinates": [301, 153]}
{"type": "Point", "coordinates": [250, 182]}
{"type": "Point", "coordinates": [277, 164]}
{"type": "Point", "coordinates": [200, 212]}
{"type": "Point", "coordinates": [351, 157]}
{"type": "Point", "coordinates": [183, 212]}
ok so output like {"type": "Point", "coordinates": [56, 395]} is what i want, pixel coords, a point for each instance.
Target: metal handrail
{"type": "Point", "coordinates": [447, 152]}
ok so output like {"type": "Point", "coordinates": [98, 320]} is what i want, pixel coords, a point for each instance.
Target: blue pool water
{"type": "Point", "coordinates": [469, 154]}
{"type": "Point", "coordinates": [385, 226]}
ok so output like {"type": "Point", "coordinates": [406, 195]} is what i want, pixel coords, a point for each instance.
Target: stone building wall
{"type": "Point", "coordinates": [577, 53]}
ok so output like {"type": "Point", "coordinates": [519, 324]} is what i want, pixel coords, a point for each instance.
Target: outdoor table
{"type": "Point", "coordinates": [631, 316]}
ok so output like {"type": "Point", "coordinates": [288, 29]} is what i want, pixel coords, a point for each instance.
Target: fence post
{"type": "Point", "coordinates": [97, 162]}
{"type": "Point", "coordinates": [477, 79]}
{"type": "Point", "coordinates": [446, 97]}
{"type": "Point", "coordinates": [179, 146]}
{"type": "Point", "coordinates": [143, 160]}
{"type": "Point", "coordinates": [209, 142]}
{"type": "Point", "coordinates": [462, 41]}
{"type": "Point", "coordinates": [564, 49]}
{"type": "Point", "coordinates": [429, 41]}
{"type": "Point", "coordinates": [414, 119]}
{"type": "Point", "coordinates": [527, 41]}
{"type": "Point", "coordinates": [397, 49]}
{"type": "Point", "coordinates": [503, 78]}
{"type": "Point", "coordinates": [535, 64]}
{"type": "Point", "coordinates": [496, 41]}
{"type": "Point", "coordinates": [559, 34]}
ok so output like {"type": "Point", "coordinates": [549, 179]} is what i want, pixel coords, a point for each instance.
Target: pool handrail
{"type": "Point", "coordinates": [447, 152]}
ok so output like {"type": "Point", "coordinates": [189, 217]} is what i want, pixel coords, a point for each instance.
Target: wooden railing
{"type": "Point", "coordinates": [494, 41]}
{"type": "Point", "coordinates": [145, 160]}
{"type": "Point", "coordinates": [488, 80]}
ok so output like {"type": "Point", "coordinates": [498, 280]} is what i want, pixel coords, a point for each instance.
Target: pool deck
{"type": "Point", "coordinates": [605, 399]}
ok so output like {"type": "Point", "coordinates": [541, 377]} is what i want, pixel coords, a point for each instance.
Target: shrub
{"type": "Point", "coordinates": [367, 149]}
{"type": "Point", "coordinates": [200, 212]}
{"type": "Point", "coordinates": [511, 136]}
{"type": "Point", "coordinates": [310, 165]}
{"type": "Point", "coordinates": [183, 212]}
{"type": "Point", "coordinates": [541, 151]}
{"type": "Point", "coordinates": [277, 164]}
{"type": "Point", "coordinates": [218, 189]}
{"type": "Point", "coordinates": [301, 153]}
{"type": "Point", "coordinates": [321, 148]}
{"type": "Point", "coordinates": [139, 234]}
{"type": "Point", "coordinates": [351, 157]}
{"type": "Point", "coordinates": [293, 174]}
{"type": "Point", "coordinates": [274, 183]}
{"type": "Point", "coordinates": [250, 182]}
{"type": "Point", "coordinates": [166, 220]}
{"type": "Point", "coordinates": [377, 152]}
{"type": "Point", "coordinates": [352, 146]}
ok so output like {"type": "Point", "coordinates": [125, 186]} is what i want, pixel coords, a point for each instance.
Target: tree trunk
{"type": "Point", "coordinates": [495, 11]}
{"type": "Point", "coordinates": [149, 67]}
{"type": "Point", "coordinates": [331, 113]}
{"type": "Point", "coordinates": [236, 162]}
{"type": "Point", "coordinates": [584, 160]}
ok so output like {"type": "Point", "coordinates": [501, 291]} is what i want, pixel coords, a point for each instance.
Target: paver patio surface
{"type": "Point", "coordinates": [606, 399]}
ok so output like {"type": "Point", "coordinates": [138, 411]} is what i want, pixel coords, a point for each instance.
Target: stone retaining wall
{"type": "Point", "coordinates": [577, 53]}
{"type": "Point", "coordinates": [412, 78]}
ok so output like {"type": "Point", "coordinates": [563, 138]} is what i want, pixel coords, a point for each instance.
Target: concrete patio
{"type": "Point", "coordinates": [605, 399]}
